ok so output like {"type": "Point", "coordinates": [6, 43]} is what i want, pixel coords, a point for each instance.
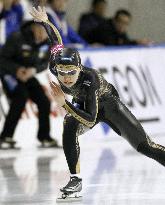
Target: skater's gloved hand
{"type": "Point", "coordinates": [57, 94]}
{"type": "Point", "coordinates": [39, 14]}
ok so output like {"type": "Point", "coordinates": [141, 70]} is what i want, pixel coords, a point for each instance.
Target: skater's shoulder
{"type": "Point", "coordinates": [90, 76]}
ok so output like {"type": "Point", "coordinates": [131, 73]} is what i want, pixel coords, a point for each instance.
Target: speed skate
{"type": "Point", "coordinates": [71, 192]}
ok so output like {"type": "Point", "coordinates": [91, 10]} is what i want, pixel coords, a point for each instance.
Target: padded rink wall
{"type": "Point", "coordinates": [138, 73]}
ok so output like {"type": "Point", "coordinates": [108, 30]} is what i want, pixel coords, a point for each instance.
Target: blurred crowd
{"type": "Point", "coordinates": [95, 29]}
{"type": "Point", "coordinates": [25, 51]}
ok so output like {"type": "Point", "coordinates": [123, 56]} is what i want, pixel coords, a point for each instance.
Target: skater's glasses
{"type": "Point", "coordinates": [64, 73]}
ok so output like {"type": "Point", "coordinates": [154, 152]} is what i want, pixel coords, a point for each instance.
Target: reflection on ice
{"type": "Point", "coordinates": [113, 173]}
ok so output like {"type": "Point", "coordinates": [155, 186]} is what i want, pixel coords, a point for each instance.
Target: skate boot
{"type": "Point", "coordinates": [71, 192]}
{"type": "Point", "coordinates": [8, 143]}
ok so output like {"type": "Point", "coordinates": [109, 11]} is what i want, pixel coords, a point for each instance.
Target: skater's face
{"type": "Point", "coordinates": [68, 74]}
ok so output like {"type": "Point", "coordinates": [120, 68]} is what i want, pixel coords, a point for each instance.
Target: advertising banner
{"type": "Point", "coordinates": [138, 75]}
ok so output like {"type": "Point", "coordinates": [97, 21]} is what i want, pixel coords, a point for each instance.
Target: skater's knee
{"type": "Point", "coordinates": [143, 147]}
{"type": "Point", "coordinates": [146, 149]}
{"type": "Point", "coordinates": [70, 123]}
{"type": "Point", "coordinates": [69, 119]}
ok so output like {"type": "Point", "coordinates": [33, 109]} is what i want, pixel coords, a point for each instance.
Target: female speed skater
{"type": "Point", "coordinates": [96, 101]}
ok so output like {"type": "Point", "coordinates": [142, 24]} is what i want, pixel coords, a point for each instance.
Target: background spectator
{"type": "Point", "coordinates": [114, 31]}
{"type": "Point", "coordinates": [24, 54]}
{"type": "Point", "coordinates": [11, 16]}
{"type": "Point", "coordinates": [57, 15]}
{"type": "Point", "coordinates": [92, 19]}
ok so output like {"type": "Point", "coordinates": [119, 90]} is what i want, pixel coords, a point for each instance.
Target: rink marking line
{"type": "Point", "coordinates": [151, 119]}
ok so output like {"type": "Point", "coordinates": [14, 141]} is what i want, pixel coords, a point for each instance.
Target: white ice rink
{"type": "Point", "coordinates": [113, 174]}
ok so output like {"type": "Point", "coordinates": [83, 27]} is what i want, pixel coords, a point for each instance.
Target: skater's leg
{"type": "Point", "coordinates": [18, 100]}
{"type": "Point", "coordinates": [152, 150]}
{"type": "Point", "coordinates": [130, 128]}
{"type": "Point", "coordinates": [72, 129]}
{"type": "Point", "coordinates": [71, 144]}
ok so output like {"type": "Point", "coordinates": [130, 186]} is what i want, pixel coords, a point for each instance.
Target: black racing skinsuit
{"type": "Point", "coordinates": [98, 101]}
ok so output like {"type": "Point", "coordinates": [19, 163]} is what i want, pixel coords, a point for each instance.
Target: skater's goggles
{"type": "Point", "coordinates": [66, 70]}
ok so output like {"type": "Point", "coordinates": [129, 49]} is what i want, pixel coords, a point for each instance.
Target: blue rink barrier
{"type": "Point", "coordinates": [108, 48]}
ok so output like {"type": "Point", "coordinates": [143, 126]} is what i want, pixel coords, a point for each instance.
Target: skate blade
{"type": "Point", "coordinates": [69, 198]}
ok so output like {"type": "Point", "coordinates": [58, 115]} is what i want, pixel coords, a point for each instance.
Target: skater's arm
{"type": "Point", "coordinates": [41, 16]}
{"type": "Point", "coordinates": [88, 115]}
{"type": "Point", "coordinates": [51, 34]}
